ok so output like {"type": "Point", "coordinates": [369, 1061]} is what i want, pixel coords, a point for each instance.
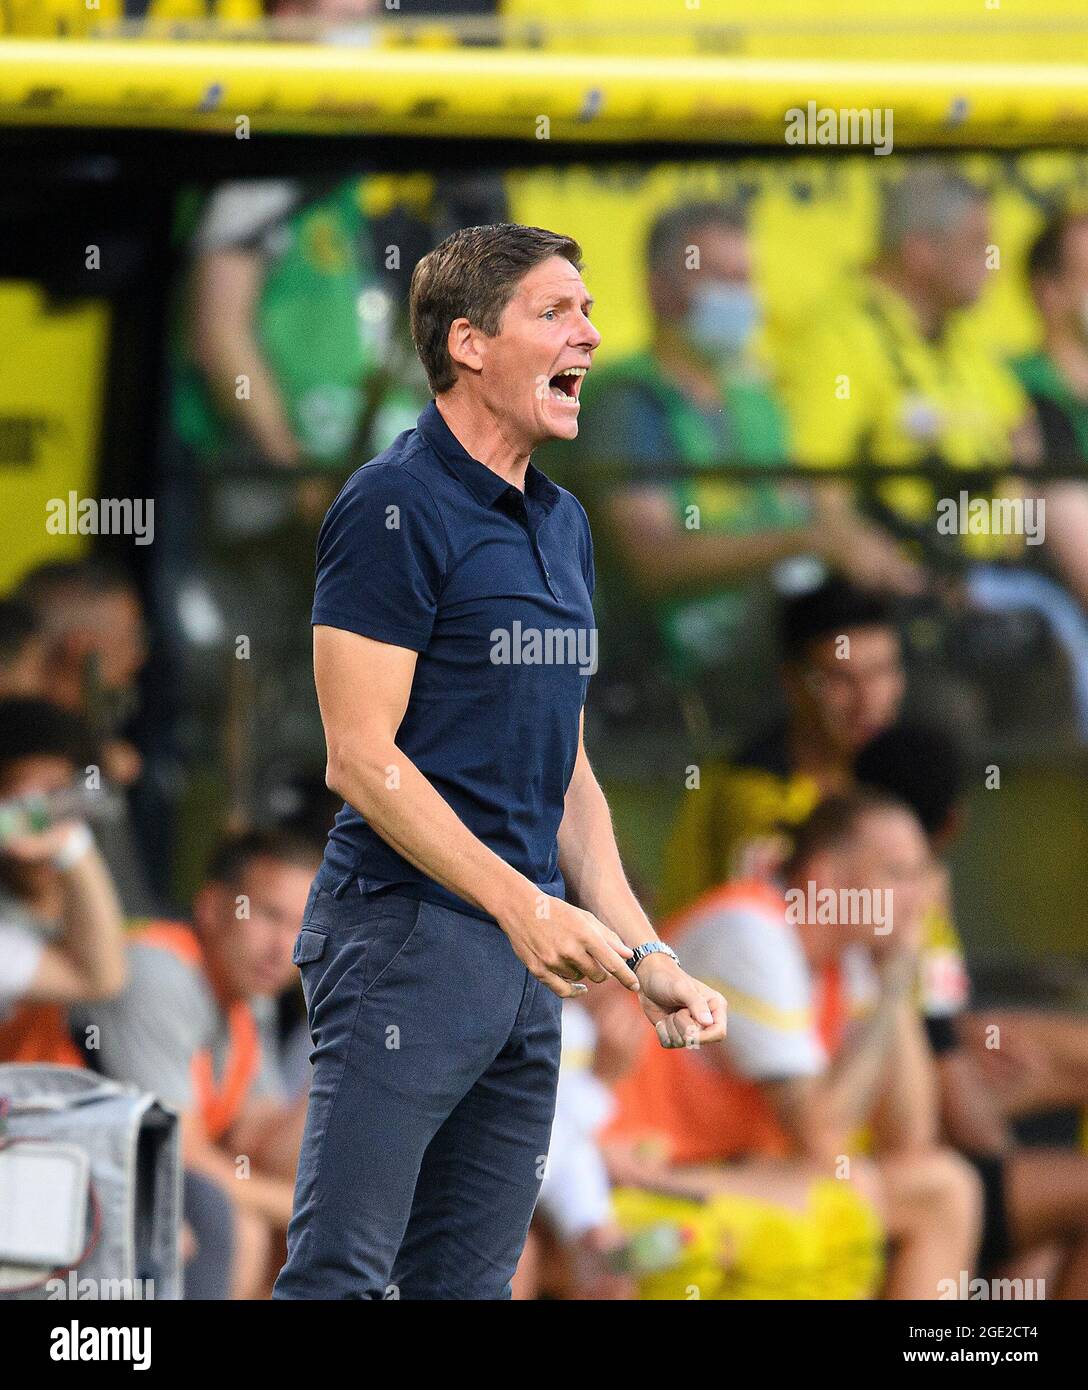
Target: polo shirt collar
{"type": "Point", "coordinates": [484, 483]}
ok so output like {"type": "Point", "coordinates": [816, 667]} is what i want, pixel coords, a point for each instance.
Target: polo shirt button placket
{"type": "Point", "coordinates": [547, 575]}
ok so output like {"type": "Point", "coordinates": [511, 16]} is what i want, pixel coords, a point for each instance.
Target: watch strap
{"type": "Point", "coordinates": [650, 948]}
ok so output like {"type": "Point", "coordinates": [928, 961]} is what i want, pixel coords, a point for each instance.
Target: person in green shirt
{"type": "Point", "coordinates": [698, 550]}
{"type": "Point", "coordinates": [284, 326]}
{"type": "Point", "coordinates": [1055, 377]}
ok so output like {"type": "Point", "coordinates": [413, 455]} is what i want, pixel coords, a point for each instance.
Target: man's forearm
{"type": "Point", "coordinates": [401, 806]}
{"type": "Point", "coordinates": [260, 412]}
{"type": "Point", "coordinates": [972, 1120]}
{"type": "Point", "coordinates": [589, 859]}
{"type": "Point", "coordinates": [269, 1197]}
{"type": "Point", "coordinates": [697, 562]}
{"type": "Point", "coordinates": [849, 1092]}
{"type": "Point", "coordinates": [908, 1115]}
{"type": "Point", "coordinates": [226, 291]}
{"type": "Point", "coordinates": [93, 925]}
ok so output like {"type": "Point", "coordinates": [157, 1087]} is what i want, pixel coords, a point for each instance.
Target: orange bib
{"type": "Point", "coordinates": [38, 1033]}
{"type": "Point", "coordinates": [701, 1113]}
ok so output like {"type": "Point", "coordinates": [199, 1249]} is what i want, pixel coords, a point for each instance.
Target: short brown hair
{"type": "Point", "coordinates": [472, 275]}
{"type": "Point", "coordinates": [236, 853]}
{"type": "Point", "coordinates": [676, 228]}
{"type": "Point", "coordinates": [835, 823]}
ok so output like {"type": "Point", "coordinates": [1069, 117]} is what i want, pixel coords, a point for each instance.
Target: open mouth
{"type": "Point", "coordinates": [566, 385]}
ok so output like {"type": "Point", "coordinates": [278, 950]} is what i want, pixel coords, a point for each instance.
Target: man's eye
{"type": "Point", "coordinates": [549, 313]}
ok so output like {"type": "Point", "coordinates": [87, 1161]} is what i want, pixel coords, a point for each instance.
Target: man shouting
{"type": "Point", "coordinates": [453, 606]}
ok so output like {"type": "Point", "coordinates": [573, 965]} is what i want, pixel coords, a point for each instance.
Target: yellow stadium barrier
{"type": "Point", "coordinates": [525, 95]}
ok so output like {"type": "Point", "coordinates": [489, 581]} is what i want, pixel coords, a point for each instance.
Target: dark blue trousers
{"type": "Point", "coordinates": [435, 1057]}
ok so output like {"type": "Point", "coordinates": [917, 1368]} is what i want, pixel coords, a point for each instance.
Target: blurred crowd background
{"type": "Point", "coordinates": [806, 681]}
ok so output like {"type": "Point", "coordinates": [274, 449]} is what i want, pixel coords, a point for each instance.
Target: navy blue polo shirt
{"type": "Point", "coordinates": [428, 549]}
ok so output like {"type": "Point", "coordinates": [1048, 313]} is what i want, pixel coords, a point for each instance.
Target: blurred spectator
{"type": "Point", "coordinates": [61, 939]}
{"type": "Point", "coordinates": [844, 683]}
{"type": "Point", "coordinates": [843, 679]}
{"type": "Point", "coordinates": [575, 1198]}
{"type": "Point", "coordinates": [824, 1039]}
{"type": "Point", "coordinates": [696, 396]}
{"type": "Point", "coordinates": [286, 354]}
{"type": "Point", "coordinates": [91, 620]}
{"type": "Point", "coordinates": [889, 374]}
{"type": "Point", "coordinates": [1034, 1197]}
{"type": "Point", "coordinates": [196, 1027]}
{"type": "Point", "coordinates": [1056, 376]}
{"type": "Point", "coordinates": [346, 21]}
{"type": "Point", "coordinates": [92, 626]}
{"type": "Point", "coordinates": [285, 328]}
{"type": "Point", "coordinates": [22, 650]}
{"type": "Point", "coordinates": [1056, 379]}
{"type": "Point", "coordinates": [328, 15]}
{"type": "Point", "coordinates": [62, 942]}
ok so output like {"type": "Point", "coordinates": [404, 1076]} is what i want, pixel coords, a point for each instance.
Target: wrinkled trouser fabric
{"type": "Point", "coordinates": [435, 1062]}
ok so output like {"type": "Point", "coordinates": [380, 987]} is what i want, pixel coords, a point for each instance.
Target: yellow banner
{"type": "Point", "coordinates": [51, 381]}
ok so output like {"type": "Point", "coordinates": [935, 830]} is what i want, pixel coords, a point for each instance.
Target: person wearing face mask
{"type": "Point", "coordinates": [699, 549]}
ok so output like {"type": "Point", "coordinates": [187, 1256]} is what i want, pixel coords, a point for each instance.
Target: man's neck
{"type": "Point", "coordinates": [809, 752]}
{"type": "Point", "coordinates": [485, 437]}
{"type": "Point", "coordinates": [930, 315]}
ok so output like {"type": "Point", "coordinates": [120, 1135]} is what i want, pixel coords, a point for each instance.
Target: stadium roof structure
{"type": "Point", "coordinates": [1000, 79]}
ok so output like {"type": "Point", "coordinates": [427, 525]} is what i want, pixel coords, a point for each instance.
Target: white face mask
{"type": "Point", "coordinates": [722, 317]}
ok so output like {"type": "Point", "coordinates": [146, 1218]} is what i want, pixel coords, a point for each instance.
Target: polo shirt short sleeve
{"type": "Point", "coordinates": [381, 556]}
{"type": "Point", "coordinates": [491, 585]}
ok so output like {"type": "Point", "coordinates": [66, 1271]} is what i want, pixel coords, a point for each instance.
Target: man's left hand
{"type": "Point", "coordinates": [684, 1011]}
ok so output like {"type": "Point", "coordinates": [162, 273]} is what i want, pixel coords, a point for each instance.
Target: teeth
{"type": "Point", "coordinates": [575, 371]}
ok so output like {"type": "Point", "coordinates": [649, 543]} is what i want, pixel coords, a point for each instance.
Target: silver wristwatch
{"type": "Point", "coordinates": [649, 948]}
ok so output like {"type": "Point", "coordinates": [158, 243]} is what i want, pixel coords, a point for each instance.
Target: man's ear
{"type": "Point", "coordinates": [462, 343]}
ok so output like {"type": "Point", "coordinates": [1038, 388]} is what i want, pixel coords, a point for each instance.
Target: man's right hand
{"type": "Point", "coordinates": [561, 944]}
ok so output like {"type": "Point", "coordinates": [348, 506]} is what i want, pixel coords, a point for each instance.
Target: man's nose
{"type": "Point", "coordinates": [586, 335]}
